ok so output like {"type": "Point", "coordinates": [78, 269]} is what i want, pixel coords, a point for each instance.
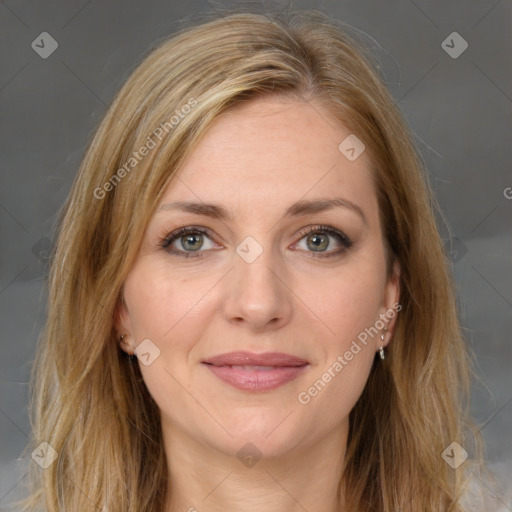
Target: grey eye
{"type": "Point", "coordinates": [317, 241]}
{"type": "Point", "coordinates": [191, 242]}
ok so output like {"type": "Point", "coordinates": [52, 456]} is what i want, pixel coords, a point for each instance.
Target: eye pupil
{"type": "Point", "coordinates": [319, 241]}
{"type": "Point", "coordinates": [192, 240]}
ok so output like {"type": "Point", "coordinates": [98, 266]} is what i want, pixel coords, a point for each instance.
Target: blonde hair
{"type": "Point", "coordinates": [90, 403]}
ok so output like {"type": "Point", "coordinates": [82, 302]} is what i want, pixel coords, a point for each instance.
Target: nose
{"type": "Point", "coordinates": [257, 294]}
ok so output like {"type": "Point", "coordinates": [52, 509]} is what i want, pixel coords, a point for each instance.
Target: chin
{"type": "Point", "coordinates": [273, 433]}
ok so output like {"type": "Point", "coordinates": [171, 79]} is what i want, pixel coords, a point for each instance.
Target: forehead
{"type": "Point", "coordinates": [272, 150]}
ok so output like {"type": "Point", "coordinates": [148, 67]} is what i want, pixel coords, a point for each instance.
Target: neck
{"type": "Point", "coordinates": [203, 478]}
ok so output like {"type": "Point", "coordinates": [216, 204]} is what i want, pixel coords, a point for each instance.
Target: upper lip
{"type": "Point", "coordinates": [251, 359]}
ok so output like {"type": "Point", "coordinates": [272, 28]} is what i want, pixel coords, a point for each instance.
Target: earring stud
{"type": "Point", "coordinates": [125, 346]}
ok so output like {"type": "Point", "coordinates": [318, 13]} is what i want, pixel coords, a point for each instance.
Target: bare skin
{"type": "Point", "coordinates": [256, 161]}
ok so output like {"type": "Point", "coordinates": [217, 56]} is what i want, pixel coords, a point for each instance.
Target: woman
{"type": "Point", "coordinates": [250, 307]}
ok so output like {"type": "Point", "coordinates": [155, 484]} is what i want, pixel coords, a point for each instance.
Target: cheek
{"type": "Point", "coordinates": [349, 305]}
{"type": "Point", "coordinates": [348, 302]}
{"type": "Point", "coordinates": [350, 311]}
{"type": "Point", "coordinates": [160, 303]}
{"type": "Point", "coordinates": [336, 391]}
{"type": "Point", "coordinates": [170, 313]}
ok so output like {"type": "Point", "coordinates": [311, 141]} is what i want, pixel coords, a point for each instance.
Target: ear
{"type": "Point", "coordinates": [391, 305]}
{"type": "Point", "coordinates": [123, 324]}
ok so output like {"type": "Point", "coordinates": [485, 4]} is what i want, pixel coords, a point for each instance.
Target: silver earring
{"type": "Point", "coordinates": [381, 349]}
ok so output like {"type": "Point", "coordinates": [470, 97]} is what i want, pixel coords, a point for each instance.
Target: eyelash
{"type": "Point", "coordinates": [343, 239]}
{"type": "Point", "coordinates": [191, 230]}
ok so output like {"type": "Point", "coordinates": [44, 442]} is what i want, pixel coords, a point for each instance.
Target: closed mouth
{"type": "Point", "coordinates": [256, 372]}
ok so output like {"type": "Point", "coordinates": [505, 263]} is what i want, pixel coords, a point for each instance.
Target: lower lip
{"type": "Point", "coordinates": [255, 379]}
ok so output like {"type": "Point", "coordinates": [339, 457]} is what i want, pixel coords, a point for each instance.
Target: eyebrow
{"type": "Point", "coordinates": [300, 208]}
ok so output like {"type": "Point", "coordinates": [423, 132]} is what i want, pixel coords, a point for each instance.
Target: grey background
{"type": "Point", "coordinates": [460, 110]}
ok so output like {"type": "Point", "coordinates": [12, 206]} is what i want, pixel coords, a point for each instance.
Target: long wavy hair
{"type": "Point", "coordinates": [89, 401]}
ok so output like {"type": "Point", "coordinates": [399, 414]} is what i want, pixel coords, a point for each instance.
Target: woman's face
{"type": "Point", "coordinates": [258, 323]}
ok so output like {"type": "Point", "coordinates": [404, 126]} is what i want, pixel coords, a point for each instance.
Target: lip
{"type": "Point", "coordinates": [249, 371]}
